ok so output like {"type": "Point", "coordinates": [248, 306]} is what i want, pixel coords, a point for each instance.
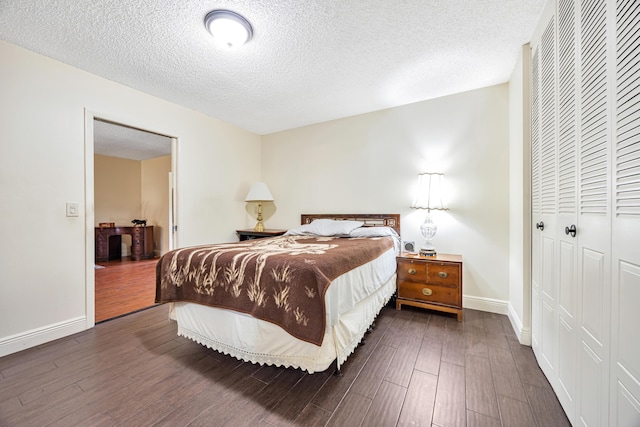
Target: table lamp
{"type": "Point", "coordinates": [429, 197]}
{"type": "Point", "coordinates": [259, 192]}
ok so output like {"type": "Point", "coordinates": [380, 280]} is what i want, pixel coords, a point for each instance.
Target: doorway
{"type": "Point", "coordinates": [130, 176]}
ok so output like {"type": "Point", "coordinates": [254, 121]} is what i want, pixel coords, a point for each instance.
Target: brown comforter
{"type": "Point", "coordinates": [282, 280]}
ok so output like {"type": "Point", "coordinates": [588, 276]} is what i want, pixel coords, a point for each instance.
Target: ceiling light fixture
{"type": "Point", "coordinates": [228, 28]}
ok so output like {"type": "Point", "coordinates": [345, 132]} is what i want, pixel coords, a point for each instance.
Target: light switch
{"type": "Point", "coordinates": [72, 209]}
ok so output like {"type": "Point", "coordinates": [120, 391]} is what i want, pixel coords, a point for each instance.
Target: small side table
{"type": "Point", "coordinates": [430, 282]}
{"type": "Point", "coordinates": [252, 234]}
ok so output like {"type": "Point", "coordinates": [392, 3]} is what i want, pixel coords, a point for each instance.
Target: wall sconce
{"type": "Point", "coordinates": [259, 192]}
{"type": "Point", "coordinates": [429, 197]}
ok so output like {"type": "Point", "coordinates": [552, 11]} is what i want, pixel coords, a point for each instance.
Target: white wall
{"type": "Point", "coordinates": [370, 163]}
{"type": "Point", "coordinates": [42, 252]}
{"type": "Point", "coordinates": [520, 198]}
{"type": "Point", "coordinates": [366, 163]}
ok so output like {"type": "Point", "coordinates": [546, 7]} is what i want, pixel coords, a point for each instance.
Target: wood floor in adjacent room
{"type": "Point", "coordinates": [416, 368]}
{"type": "Point", "coordinates": [124, 286]}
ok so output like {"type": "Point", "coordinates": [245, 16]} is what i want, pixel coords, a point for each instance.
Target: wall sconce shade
{"type": "Point", "coordinates": [259, 192]}
{"type": "Point", "coordinates": [429, 197]}
{"type": "Point", "coordinates": [229, 29]}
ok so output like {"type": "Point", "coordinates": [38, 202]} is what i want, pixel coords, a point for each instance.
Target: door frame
{"type": "Point", "coordinates": [89, 197]}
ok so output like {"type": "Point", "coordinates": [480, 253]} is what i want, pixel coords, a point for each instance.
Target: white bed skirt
{"type": "Point", "coordinates": [257, 341]}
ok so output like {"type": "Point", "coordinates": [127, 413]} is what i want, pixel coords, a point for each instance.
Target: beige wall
{"type": "Point", "coordinates": [46, 270]}
{"type": "Point", "coordinates": [370, 163]}
{"type": "Point", "coordinates": [117, 190]}
{"type": "Point", "coordinates": [127, 189]}
{"type": "Point", "coordinates": [117, 193]}
{"type": "Point", "coordinates": [155, 200]}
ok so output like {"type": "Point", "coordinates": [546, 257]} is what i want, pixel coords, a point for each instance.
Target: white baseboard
{"type": "Point", "coordinates": [34, 337]}
{"type": "Point", "coordinates": [485, 304]}
{"type": "Point", "coordinates": [523, 334]}
{"type": "Point", "coordinates": [499, 307]}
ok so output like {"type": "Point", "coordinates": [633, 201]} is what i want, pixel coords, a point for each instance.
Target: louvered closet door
{"type": "Point", "coordinates": [548, 200]}
{"type": "Point", "coordinates": [536, 253]}
{"type": "Point", "coordinates": [594, 228]}
{"type": "Point", "coordinates": [544, 202]}
{"type": "Point", "coordinates": [567, 206]}
{"type": "Point", "coordinates": [625, 292]}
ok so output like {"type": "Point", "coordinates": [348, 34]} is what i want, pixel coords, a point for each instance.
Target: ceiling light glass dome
{"type": "Point", "coordinates": [229, 29]}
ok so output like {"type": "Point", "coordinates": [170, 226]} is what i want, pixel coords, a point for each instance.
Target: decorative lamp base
{"type": "Point", "coordinates": [259, 226]}
{"type": "Point", "coordinates": [428, 252]}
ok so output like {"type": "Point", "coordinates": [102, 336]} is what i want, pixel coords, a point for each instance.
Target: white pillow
{"type": "Point", "coordinates": [301, 230]}
{"type": "Point", "coordinates": [325, 227]}
{"type": "Point", "coordinates": [378, 232]}
{"type": "Point", "coordinates": [373, 232]}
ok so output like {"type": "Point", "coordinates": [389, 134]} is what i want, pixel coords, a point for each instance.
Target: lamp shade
{"type": "Point", "coordinates": [259, 192]}
{"type": "Point", "coordinates": [429, 193]}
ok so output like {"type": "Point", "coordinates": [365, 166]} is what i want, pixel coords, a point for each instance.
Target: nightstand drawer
{"type": "Point", "coordinates": [428, 293]}
{"type": "Point", "coordinates": [412, 272]}
{"type": "Point", "coordinates": [443, 274]}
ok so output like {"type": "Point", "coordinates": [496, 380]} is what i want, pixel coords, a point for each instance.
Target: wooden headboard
{"type": "Point", "coordinates": [370, 220]}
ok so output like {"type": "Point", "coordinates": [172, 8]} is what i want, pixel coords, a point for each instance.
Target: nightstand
{"type": "Point", "coordinates": [430, 282]}
{"type": "Point", "coordinates": [252, 234]}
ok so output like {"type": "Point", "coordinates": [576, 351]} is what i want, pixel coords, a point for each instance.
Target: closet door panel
{"type": "Point", "coordinates": [536, 299]}
{"type": "Point", "coordinates": [628, 349]}
{"type": "Point", "coordinates": [549, 321]}
{"type": "Point", "coordinates": [591, 368]}
{"type": "Point", "coordinates": [567, 204]}
{"type": "Point", "coordinates": [628, 318]}
{"type": "Point", "coordinates": [627, 409]}
{"type": "Point", "coordinates": [594, 299]}
{"type": "Point", "coordinates": [549, 201]}
{"type": "Point", "coordinates": [625, 344]}
{"type": "Point", "coordinates": [568, 273]}
{"type": "Point", "coordinates": [567, 335]}
{"type": "Point", "coordinates": [566, 367]}
{"type": "Point", "coordinates": [536, 247]}
{"type": "Point", "coordinates": [594, 204]}
{"type": "Point", "coordinates": [536, 292]}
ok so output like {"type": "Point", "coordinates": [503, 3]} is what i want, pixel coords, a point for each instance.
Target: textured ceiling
{"type": "Point", "coordinates": [309, 60]}
{"type": "Point", "coordinates": [122, 141]}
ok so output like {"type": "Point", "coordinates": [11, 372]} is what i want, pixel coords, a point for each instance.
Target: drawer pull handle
{"type": "Point", "coordinates": [412, 271]}
{"type": "Point", "coordinates": [427, 291]}
{"type": "Point", "coordinates": [442, 274]}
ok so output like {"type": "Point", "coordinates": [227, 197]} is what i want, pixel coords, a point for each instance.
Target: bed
{"type": "Point", "coordinates": [303, 300]}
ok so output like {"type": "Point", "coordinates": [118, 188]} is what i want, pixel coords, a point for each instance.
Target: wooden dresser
{"type": "Point", "coordinates": [430, 282]}
{"type": "Point", "coordinates": [108, 239]}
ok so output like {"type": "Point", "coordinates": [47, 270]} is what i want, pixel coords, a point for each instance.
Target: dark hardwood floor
{"type": "Point", "coordinates": [124, 286]}
{"type": "Point", "coordinates": [416, 368]}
